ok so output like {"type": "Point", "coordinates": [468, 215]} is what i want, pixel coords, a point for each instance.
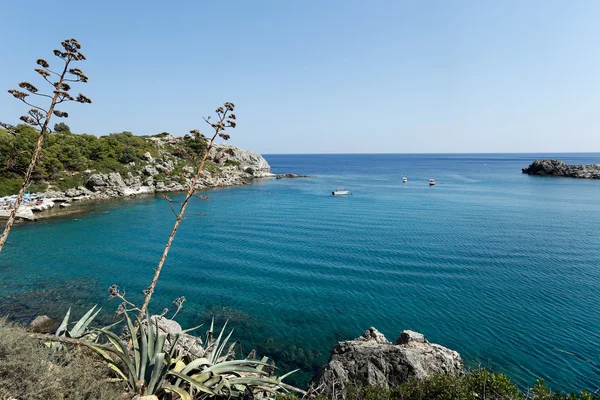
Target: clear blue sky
{"type": "Point", "coordinates": [326, 76]}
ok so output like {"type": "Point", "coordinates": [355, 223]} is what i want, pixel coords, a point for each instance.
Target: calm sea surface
{"type": "Point", "coordinates": [500, 266]}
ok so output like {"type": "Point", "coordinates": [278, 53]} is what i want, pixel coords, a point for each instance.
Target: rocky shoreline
{"type": "Point", "coordinates": [549, 167]}
{"type": "Point", "coordinates": [229, 166]}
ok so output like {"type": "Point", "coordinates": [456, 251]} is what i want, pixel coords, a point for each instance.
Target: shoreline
{"type": "Point", "coordinates": [82, 205]}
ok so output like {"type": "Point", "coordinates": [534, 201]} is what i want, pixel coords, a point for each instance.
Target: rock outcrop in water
{"type": "Point", "coordinates": [373, 360]}
{"type": "Point", "coordinates": [559, 168]}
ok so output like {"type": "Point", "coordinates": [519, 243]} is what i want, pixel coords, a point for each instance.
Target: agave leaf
{"type": "Point", "coordinates": [174, 345]}
{"type": "Point", "coordinates": [282, 377]}
{"type": "Point", "coordinates": [102, 352]}
{"type": "Point", "coordinates": [118, 371]}
{"type": "Point", "coordinates": [158, 373]}
{"type": "Point", "coordinates": [191, 329]}
{"type": "Point", "coordinates": [234, 363]}
{"type": "Point", "coordinates": [160, 343]}
{"type": "Point", "coordinates": [179, 391]}
{"type": "Point", "coordinates": [262, 363]}
{"type": "Point", "coordinates": [123, 353]}
{"type": "Point", "coordinates": [136, 346]}
{"type": "Point", "coordinates": [223, 344]}
{"type": "Point", "coordinates": [179, 365]}
{"type": "Point", "coordinates": [143, 352]}
{"type": "Point", "coordinates": [235, 370]}
{"type": "Point", "coordinates": [81, 325]}
{"type": "Point", "coordinates": [63, 326]}
{"type": "Point", "coordinates": [203, 377]}
{"type": "Point", "coordinates": [150, 336]}
{"type": "Point", "coordinates": [269, 382]}
{"type": "Point", "coordinates": [192, 382]}
{"type": "Point", "coordinates": [196, 364]}
{"type": "Point", "coordinates": [213, 381]}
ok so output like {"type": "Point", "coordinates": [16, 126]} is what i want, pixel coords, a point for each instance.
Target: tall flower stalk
{"type": "Point", "coordinates": [40, 117]}
{"type": "Point", "coordinates": [226, 119]}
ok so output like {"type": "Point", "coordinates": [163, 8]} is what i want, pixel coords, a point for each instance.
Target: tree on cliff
{"type": "Point", "coordinates": [61, 127]}
{"type": "Point", "coordinates": [39, 116]}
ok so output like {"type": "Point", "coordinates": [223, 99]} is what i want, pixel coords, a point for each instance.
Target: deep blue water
{"type": "Point", "coordinates": [500, 266]}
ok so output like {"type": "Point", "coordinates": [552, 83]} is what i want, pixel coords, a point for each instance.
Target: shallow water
{"type": "Point", "coordinates": [500, 266]}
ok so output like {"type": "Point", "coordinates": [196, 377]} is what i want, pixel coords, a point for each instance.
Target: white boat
{"type": "Point", "coordinates": [404, 179]}
{"type": "Point", "coordinates": [340, 192]}
{"type": "Point", "coordinates": [431, 182]}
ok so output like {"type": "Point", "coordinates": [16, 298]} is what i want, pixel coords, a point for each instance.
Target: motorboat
{"type": "Point", "coordinates": [404, 179]}
{"type": "Point", "coordinates": [431, 182]}
{"type": "Point", "coordinates": [340, 192]}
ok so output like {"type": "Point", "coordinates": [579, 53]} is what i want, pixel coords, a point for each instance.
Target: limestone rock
{"type": "Point", "coordinates": [372, 360]}
{"type": "Point", "coordinates": [42, 324]}
{"type": "Point", "coordinates": [559, 168]}
{"type": "Point", "coordinates": [149, 170]}
{"type": "Point", "coordinates": [147, 157]}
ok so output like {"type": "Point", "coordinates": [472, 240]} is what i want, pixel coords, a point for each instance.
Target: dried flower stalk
{"type": "Point", "coordinates": [40, 117]}
{"type": "Point", "coordinates": [225, 121]}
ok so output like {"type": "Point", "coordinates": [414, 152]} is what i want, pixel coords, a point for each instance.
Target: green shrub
{"type": "Point", "coordinates": [67, 181]}
{"type": "Point", "coordinates": [30, 370]}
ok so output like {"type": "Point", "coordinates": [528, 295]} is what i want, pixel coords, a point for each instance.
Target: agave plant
{"type": "Point", "coordinates": [151, 366]}
{"type": "Point", "coordinates": [80, 328]}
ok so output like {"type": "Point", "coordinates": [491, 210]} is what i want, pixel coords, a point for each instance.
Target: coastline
{"type": "Point", "coordinates": [82, 205]}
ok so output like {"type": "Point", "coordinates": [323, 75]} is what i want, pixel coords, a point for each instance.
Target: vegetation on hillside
{"type": "Point", "coordinates": [65, 157]}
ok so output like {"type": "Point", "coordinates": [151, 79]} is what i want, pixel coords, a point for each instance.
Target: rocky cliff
{"type": "Point", "coordinates": [226, 166]}
{"type": "Point", "coordinates": [373, 360]}
{"type": "Point", "coordinates": [559, 168]}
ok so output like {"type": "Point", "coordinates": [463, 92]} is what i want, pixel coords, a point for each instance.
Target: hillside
{"type": "Point", "coordinates": [119, 164]}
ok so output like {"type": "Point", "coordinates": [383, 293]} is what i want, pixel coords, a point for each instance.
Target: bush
{"type": "Point", "coordinates": [30, 370]}
{"type": "Point", "coordinates": [480, 384]}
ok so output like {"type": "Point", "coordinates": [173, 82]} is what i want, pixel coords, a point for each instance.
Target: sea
{"type": "Point", "coordinates": [498, 265]}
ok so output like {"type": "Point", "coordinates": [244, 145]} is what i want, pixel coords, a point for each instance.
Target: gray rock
{"type": "Point", "coordinates": [372, 360]}
{"type": "Point", "coordinates": [42, 324]}
{"type": "Point", "coordinates": [407, 337]}
{"type": "Point", "coordinates": [188, 345]}
{"type": "Point", "coordinates": [559, 168]}
{"type": "Point", "coordinates": [147, 157]}
{"type": "Point", "coordinates": [149, 170]}
{"type": "Point", "coordinates": [289, 176]}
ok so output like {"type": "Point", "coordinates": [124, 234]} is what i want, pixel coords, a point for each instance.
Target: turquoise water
{"type": "Point", "coordinates": [500, 266]}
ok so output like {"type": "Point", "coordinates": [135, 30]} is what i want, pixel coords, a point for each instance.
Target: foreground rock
{"type": "Point", "coordinates": [42, 324]}
{"type": "Point", "coordinates": [373, 360]}
{"type": "Point", "coordinates": [559, 168]}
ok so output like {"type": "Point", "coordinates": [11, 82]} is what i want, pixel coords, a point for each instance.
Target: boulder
{"type": "Point", "coordinates": [42, 324]}
{"type": "Point", "coordinates": [188, 345]}
{"type": "Point", "coordinates": [373, 360]}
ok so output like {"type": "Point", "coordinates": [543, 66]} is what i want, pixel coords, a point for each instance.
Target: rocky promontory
{"type": "Point", "coordinates": [373, 360]}
{"type": "Point", "coordinates": [163, 170]}
{"type": "Point", "coordinates": [558, 168]}
{"type": "Point", "coordinates": [226, 166]}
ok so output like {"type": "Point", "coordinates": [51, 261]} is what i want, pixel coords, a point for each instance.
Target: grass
{"type": "Point", "coordinates": [30, 370]}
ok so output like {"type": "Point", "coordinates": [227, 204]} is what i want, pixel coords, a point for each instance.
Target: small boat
{"type": "Point", "coordinates": [340, 192]}
{"type": "Point", "coordinates": [431, 182]}
{"type": "Point", "coordinates": [404, 179]}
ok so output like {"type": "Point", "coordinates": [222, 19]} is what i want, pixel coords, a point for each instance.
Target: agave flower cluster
{"type": "Point", "coordinates": [39, 116]}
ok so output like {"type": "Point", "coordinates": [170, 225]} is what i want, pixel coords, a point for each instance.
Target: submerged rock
{"type": "Point", "coordinates": [373, 360]}
{"type": "Point", "coordinates": [559, 168]}
{"type": "Point", "coordinates": [283, 176]}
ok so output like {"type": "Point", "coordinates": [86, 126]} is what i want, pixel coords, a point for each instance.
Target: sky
{"type": "Point", "coordinates": [314, 76]}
